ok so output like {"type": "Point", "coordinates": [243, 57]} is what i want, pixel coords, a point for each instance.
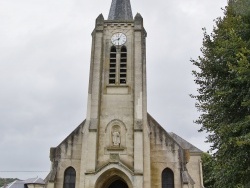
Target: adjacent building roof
{"type": "Point", "coordinates": [120, 10]}
{"type": "Point", "coordinates": [34, 181]}
{"type": "Point", "coordinates": [22, 183]}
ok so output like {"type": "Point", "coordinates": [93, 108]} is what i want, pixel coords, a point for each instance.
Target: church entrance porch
{"type": "Point", "coordinates": [118, 184]}
{"type": "Point", "coordinates": [113, 178]}
{"type": "Point", "coordinates": [112, 182]}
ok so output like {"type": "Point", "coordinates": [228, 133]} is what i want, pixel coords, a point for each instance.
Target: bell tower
{"type": "Point", "coordinates": [117, 98]}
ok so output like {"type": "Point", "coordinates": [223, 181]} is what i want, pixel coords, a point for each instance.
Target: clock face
{"type": "Point", "coordinates": [118, 39]}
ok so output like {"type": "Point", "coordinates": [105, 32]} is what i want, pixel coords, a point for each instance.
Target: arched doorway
{"type": "Point", "coordinates": [118, 184]}
{"type": "Point", "coordinates": [113, 178]}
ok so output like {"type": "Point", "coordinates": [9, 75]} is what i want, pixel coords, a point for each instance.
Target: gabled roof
{"type": "Point", "coordinates": [34, 181]}
{"type": "Point", "coordinates": [73, 132]}
{"type": "Point", "coordinates": [120, 10]}
{"type": "Point", "coordinates": [185, 144]}
{"type": "Point", "coordinates": [177, 139]}
{"type": "Point", "coordinates": [21, 183]}
{"type": "Point", "coordinates": [15, 184]}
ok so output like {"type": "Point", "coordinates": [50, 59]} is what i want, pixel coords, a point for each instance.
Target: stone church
{"type": "Point", "coordinates": [120, 145]}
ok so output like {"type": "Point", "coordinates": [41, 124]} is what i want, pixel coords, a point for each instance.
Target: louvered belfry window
{"type": "Point", "coordinates": [112, 65]}
{"type": "Point", "coordinates": [167, 178]}
{"type": "Point", "coordinates": [123, 65]}
{"type": "Point", "coordinates": [69, 178]}
{"type": "Point", "coordinates": [118, 65]}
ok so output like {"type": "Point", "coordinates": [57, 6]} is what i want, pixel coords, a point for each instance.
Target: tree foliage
{"type": "Point", "coordinates": [208, 170]}
{"type": "Point", "coordinates": [223, 98]}
{"type": "Point", "coordinates": [5, 181]}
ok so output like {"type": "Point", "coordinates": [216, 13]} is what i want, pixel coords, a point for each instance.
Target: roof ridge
{"type": "Point", "coordinates": [36, 179]}
{"type": "Point", "coordinates": [183, 141]}
{"type": "Point", "coordinates": [11, 183]}
{"type": "Point", "coordinates": [184, 144]}
{"type": "Point", "coordinates": [75, 130]}
{"type": "Point", "coordinates": [149, 117]}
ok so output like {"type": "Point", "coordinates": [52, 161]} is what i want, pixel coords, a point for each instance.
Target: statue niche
{"type": "Point", "coordinates": [116, 136]}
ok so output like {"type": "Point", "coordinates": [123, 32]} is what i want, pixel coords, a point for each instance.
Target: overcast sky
{"type": "Point", "coordinates": [44, 69]}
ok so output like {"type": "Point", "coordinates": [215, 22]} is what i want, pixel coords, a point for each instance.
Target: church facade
{"type": "Point", "coordinates": [120, 145]}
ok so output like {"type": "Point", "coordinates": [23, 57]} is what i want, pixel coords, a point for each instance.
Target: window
{"type": "Point", "coordinates": [112, 65]}
{"type": "Point", "coordinates": [123, 65]}
{"type": "Point", "coordinates": [167, 178]}
{"type": "Point", "coordinates": [69, 178]}
{"type": "Point", "coordinates": [118, 65]}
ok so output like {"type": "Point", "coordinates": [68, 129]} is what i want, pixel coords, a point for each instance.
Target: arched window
{"type": "Point", "coordinates": [167, 178]}
{"type": "Point", "coordinates": [123, 65]}
{"type": "Point", "coordinates": [112, 65]}
{"type": "Point", "coordinates": [69, 178]}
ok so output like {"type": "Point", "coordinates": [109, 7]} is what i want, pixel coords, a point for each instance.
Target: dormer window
{"type": "Point", "coordinates": [118, 65]}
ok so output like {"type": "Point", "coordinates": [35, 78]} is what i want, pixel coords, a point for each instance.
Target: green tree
{"type": "Point", "coordinates": [5, 181]}
{"type": "Point", "coordinates": [223, 98]}
{"type": "Point", "coordinates": [208, 166]}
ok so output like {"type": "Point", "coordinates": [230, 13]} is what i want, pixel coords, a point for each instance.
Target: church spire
{"type": "Point", "coordinates": [120, 10]}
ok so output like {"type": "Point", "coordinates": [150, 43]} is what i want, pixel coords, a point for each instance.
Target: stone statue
{"type": "Point", "coordinates": [116, 138]}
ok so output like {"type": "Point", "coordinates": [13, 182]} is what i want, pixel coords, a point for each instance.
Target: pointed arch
{"type": "Point", "coordinates": [167, 178]}
{"type": "Point", "coordinates": [69, 178]}
{"type": "Point", "coordinates": [114, 175]}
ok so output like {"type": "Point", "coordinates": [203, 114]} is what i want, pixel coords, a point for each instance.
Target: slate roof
{"type": "Point", "coordinates": [185, 144]}
{"type": "Point", "coordinates": [120, 10]}
{"type": "Point", "coordinates": [177, 139]}
{"type": "Point", "coordinates": [15, 184]}
{"type": "Point", "coordinates": [21, 183]}
{"type": "Point", "coordinates": [34, 181]}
